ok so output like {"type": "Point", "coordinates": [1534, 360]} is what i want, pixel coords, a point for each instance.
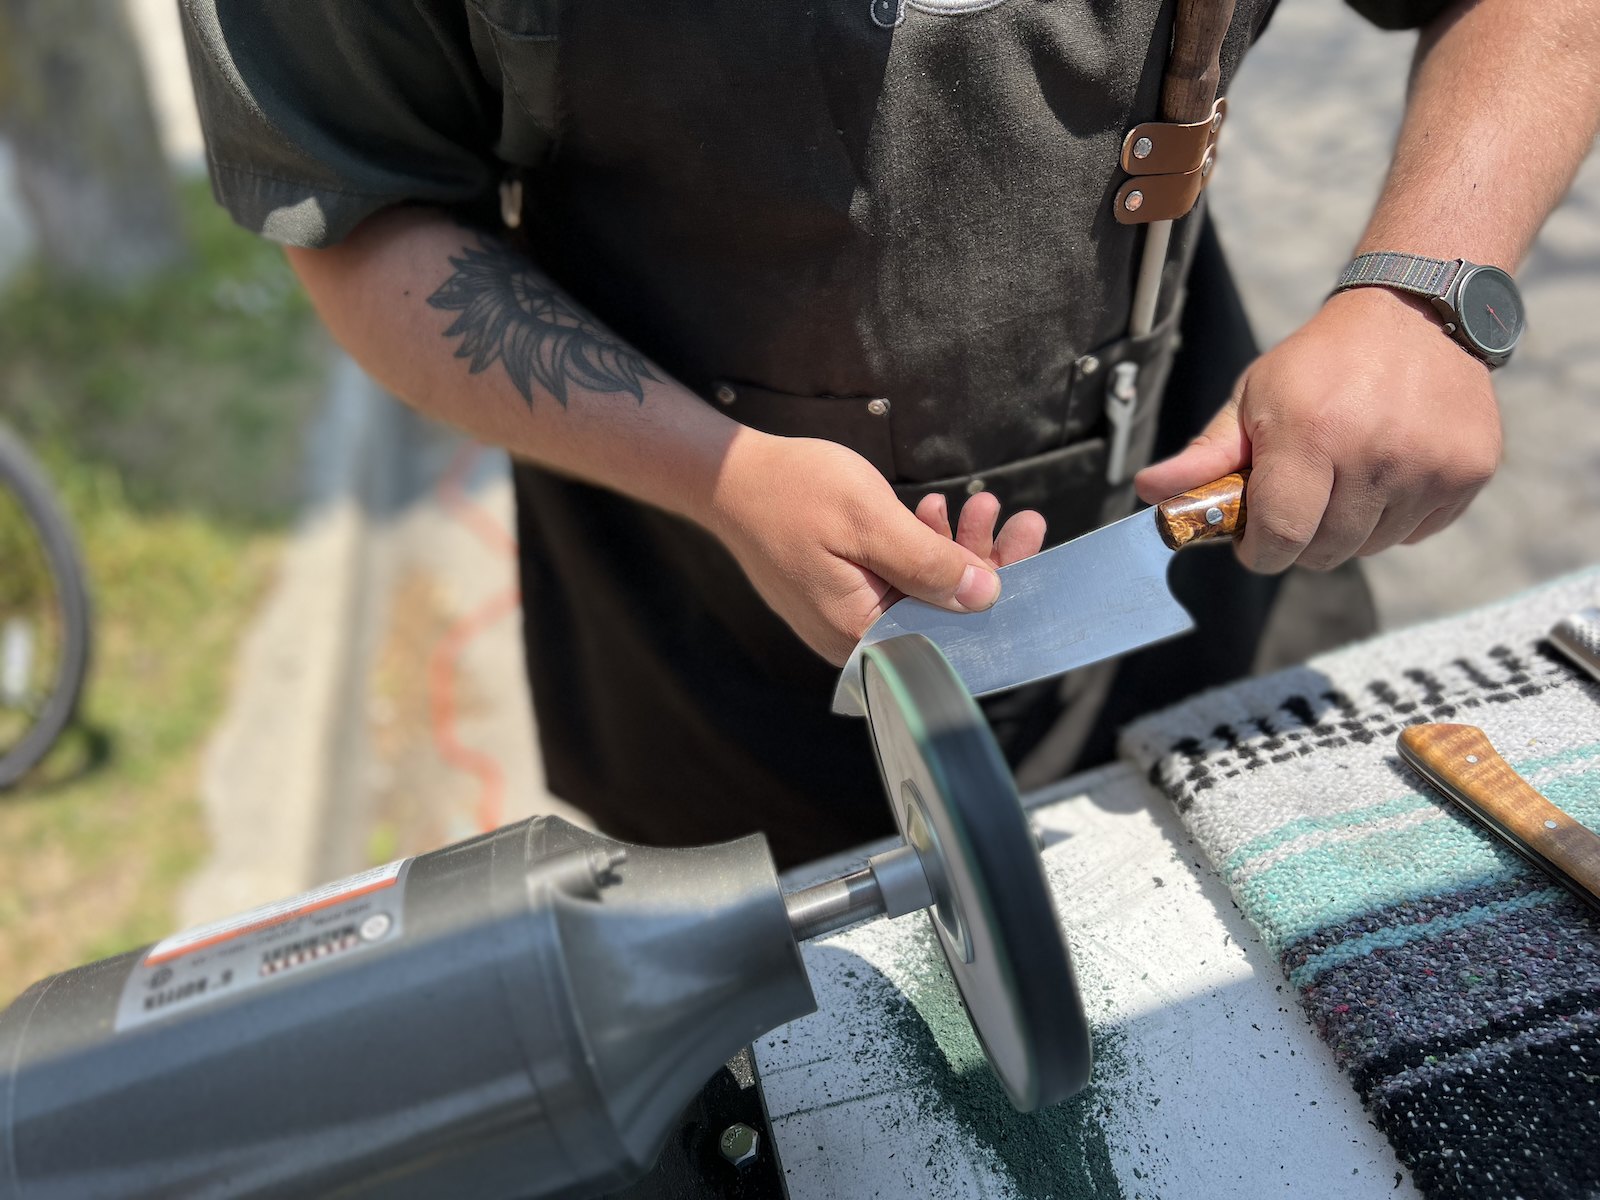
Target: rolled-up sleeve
{"type": "Point", "coordinates": [1399, 14]}
{"type": "Point", "coordinates": [317, 115]}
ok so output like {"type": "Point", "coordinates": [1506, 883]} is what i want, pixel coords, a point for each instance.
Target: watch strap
{"type": "Point", "coordinates": [1430, 277]}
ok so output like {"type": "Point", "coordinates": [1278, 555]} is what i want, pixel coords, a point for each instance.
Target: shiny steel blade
{"type": "Point", "coordinates": [1096, 596]}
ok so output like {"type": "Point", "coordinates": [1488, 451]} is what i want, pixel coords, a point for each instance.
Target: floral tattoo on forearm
{"type": "Point", "coordinates": [511, 313]}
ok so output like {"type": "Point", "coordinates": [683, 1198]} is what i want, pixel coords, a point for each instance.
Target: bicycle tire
{"type": "Point", "coordinates": [24, 479]}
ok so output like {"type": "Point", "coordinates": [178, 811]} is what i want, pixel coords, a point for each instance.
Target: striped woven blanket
{"type": "Point", "coordinates": [1457, 987]}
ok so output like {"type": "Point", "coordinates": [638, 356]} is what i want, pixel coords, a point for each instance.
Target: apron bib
{"type": "Point", "coordinates": [895, 236]}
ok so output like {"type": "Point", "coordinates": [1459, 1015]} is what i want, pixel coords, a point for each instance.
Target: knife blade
{"type": "Point", "coordinates": [1460, 762]}
{"type": "Point", "coordinates": [1092, 598]}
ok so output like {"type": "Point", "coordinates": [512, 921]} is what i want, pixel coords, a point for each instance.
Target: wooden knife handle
{"type": "Point", "coordinates": [1214, 510]}
{"type": "Point", "coordinates": [1460, 762]}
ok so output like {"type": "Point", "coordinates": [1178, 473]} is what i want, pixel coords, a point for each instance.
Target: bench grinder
{"type": "Point", "coordinates": [524, 1014]}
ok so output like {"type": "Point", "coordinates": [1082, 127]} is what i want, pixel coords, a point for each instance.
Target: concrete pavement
{"type": "Point", "coordinates": [379, 707]}
{"type": "Point", "coordinates": [1311, 121]}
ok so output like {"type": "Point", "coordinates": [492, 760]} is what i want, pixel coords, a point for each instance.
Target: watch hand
{"type": "Point", "coordinates": [1496, 317]}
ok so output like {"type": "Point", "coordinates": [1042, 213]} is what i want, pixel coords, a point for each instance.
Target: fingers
{"type": "Point", "coordinates": [921, 573]}
{"type": "Point", "coordinates": [1020, 538]}
{"type": "Point", "coordinates": [1352, 516]}
{"type": "Point", "coordinates": [911, 556]}
{"type": "Point", "coordinates": [975, 529]}
{"type": "Point", "coordinates": [1286, 501]}
{"type": "Point", "coordinates": [1402, 523]}
{"type": "Point", "coordinates": [934, 513]}
{"type": "Point", "coordinates": [1220, 450]}
{"type": "Point", "coordinates": [1437, 520]}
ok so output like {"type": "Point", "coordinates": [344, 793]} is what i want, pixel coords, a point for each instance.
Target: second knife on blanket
{"type": "Point", "coordinates": [1460, 762]}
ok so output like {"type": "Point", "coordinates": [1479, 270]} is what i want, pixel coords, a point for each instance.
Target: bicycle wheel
{"type": "Point", "coordinates": [44, 614]}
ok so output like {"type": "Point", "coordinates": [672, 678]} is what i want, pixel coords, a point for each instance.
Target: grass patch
{"type": "Point", "coordinates": [171, 420]}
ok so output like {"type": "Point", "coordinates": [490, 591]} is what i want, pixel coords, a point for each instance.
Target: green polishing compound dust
{"type": "Point", "coordinates": [1058, 1153]}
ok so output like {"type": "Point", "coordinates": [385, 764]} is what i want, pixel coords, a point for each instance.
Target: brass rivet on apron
{"type": "Point", "coordinates": [726, 395]}
{"type": "Point", "coordinates": [1133, 200]}
{"type": "Point", "coordinates": [1088, 364]}
{"type": "Point", "coordinates": [1142, 148]}
{"type": "Point", "coordinates": [877, 407]}
{"type": "Point", "coordinates": [974, 487]}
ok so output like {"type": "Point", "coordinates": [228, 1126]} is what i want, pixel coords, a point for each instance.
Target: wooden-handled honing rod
{"type": "Point", "coordinates": [1195, 66]}
{"type": "Point", "coordinates": [1188, 91]}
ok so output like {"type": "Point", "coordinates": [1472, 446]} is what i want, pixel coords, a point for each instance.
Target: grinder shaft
{"type": "Point", "coordinates": [894, 883]}
{"type": "Point", "coordinates": [821, 909]}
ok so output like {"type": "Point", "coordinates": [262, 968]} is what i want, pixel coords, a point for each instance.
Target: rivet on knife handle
{"type": "Point", "coordinates": [1460, 761]}
{"type": "Point", "coordinates": [1213, 510]}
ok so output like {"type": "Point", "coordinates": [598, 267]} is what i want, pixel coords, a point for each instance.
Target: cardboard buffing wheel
{"type": "Point", "coordinates": [955, 801]}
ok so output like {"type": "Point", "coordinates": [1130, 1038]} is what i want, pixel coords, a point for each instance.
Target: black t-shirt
{"type": "Point", "coordinates": [787, 195]}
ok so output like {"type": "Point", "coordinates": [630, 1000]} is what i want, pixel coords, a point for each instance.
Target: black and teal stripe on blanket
{"type": "Point", "coordinates": [1457, 987]}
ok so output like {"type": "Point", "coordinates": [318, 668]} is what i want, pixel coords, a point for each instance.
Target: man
{"type": "Point", "coordinates": [760, 295]}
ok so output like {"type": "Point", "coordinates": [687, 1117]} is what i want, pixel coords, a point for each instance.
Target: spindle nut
{"type": "Point", "coordinates": [739, 1144]}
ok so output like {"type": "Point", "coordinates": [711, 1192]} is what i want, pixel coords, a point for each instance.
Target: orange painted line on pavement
{"type": "Point", "coordinates": [446, 653]}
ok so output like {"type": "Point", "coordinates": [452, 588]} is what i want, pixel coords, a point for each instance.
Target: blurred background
{"type": "Point", "coordinates": [306, 651]}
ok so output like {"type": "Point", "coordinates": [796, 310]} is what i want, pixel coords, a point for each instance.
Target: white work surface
{"type": "Point", "coordinates": [1208, 1080]}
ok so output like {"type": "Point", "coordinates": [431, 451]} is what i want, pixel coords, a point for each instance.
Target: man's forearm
{"type": "Point", "coordinates": [1503, 106]}
{"type": "Point", "coordinates": [467, 330]}
{"type": "Point", "coordinates": [1368, 427]}
{"type": "Point", "coordinates": [474, 334]}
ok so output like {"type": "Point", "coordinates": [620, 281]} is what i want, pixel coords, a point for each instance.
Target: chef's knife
{"type": "Point", "coordinates": [1461, 763]}
{"type": "Point", "coordinates": [1097, 596]}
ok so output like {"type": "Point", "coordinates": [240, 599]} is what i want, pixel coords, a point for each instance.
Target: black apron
{"type": "Point", "coordinates": [797, 211]}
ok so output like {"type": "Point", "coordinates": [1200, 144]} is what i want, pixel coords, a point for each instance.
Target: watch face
{"type": "Point", "coordinates": [1491, 310]}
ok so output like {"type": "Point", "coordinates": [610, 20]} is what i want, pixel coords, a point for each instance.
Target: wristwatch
{"type": "Point", "coordinates": [1481, 306]}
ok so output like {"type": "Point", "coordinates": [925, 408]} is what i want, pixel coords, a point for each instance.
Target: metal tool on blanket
{"type": "Point", "coordinates": [1578, 637]}
{"type": "Point", "coordinates": [1089, 599]}
{"type": "Point", "coordinates": [1462, 764]}
{"type": "Point", "coordinates": [527, 1013]}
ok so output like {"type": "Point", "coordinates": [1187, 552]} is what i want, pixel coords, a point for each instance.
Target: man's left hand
{"type": "Point", "coordinates": [1366, 427]}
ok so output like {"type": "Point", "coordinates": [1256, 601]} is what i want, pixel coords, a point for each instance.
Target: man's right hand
{"type": "Point", "coordinates": [829, 546]}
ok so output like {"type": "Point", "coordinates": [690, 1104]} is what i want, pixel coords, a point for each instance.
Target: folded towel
{"type": "Point", "coordinates": [1457, 986]}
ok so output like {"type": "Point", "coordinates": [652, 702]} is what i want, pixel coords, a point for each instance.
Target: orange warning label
{"type": "Point", "coordinates": [223, 958]}
{"type": "Point", "coordinates": [271, 914]}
